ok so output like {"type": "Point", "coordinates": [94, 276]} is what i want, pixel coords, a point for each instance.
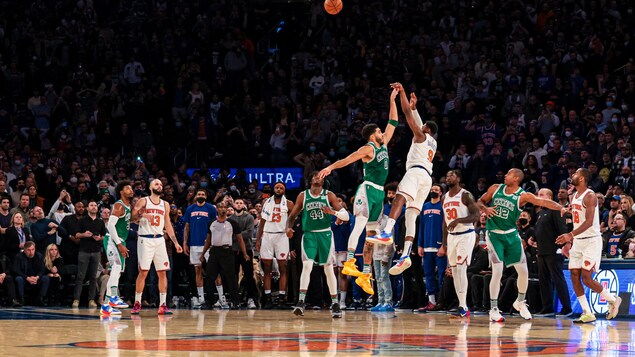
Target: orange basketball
{"type": "Point", "coordinates": [333, 7]}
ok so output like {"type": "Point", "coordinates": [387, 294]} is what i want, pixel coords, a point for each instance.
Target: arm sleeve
{"type": "Point", "coordinates": [342, 214]}
{"type": "Point", "coordinates": [112, 229]}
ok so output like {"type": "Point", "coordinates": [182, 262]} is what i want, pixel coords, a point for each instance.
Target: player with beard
{"type": "Point", "coordinates": [115, 247]}
{"type": "Point", "coordinates": [459, 214]}
{"type": "Point", "coordinates": [153, 214]}
{"type": "Point", "coordinates": [369, 197]}
{"type": "Point", "coordinates": [586, 252]}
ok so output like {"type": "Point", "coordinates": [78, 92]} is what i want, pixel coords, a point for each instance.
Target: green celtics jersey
{"type": "Point", "coordinates": [507, 209]}
{"type": "Point", "coordinates": [313, 219]}
{"type": "Point", "coordinates": [376, 170]}
{"type": "Point", "coordinates": [123, 225]}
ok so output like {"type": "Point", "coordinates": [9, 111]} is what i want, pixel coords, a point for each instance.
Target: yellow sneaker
{"type": "Point", "coordinates": [585, 318]}
{"type": "Point", "coordinates": [350, 268]}
{"type": "Point", "coordinates": [364, 281]}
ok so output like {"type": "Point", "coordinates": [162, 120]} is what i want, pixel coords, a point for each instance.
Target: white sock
{"type": "Point", "coordinates": [201, 293]}
{"type": "Point", "coordinates": [267, 292]}
{"type": "Point", "coordinates": [584, 304]}
{"type": "Point", "coordinates": [342, 297]}
{"type": "Point", "coordinates": [219, 288]}
{"type": "Point", "coordinates": [162, 298]}
{"type": "Point", "coordinates": [432, 299]}
{"type": "Point", "coordinates": [137, 297]}
{"type": "Point", "coordinates": [390, 224]}
{"type": "Point", "coordinates": [282, 293]}
{"type": "Point", "coordinates": [607, 295]}
{"type": "Point", "coordinates": [406, 248]}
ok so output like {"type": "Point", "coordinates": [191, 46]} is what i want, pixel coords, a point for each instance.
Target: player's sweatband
{"type": "Point", "coordinates": [393, 123]}
{"type": "Point", "coordinates": [342, 214]}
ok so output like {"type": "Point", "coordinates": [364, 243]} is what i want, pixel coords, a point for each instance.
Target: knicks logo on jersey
{"type": "Point", "coordinates": [432, 211]}
{"type": "Point", "coordinates": [198, 214]}
{"type": "Point", "coordinates": [155, 211]}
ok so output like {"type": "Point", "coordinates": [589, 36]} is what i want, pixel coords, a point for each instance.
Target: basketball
{"type": "Point", "coordinates": [333, 7]}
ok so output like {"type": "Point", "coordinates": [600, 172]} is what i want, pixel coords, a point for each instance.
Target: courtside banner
{"type": "Point", "coordinates": [290, 176]}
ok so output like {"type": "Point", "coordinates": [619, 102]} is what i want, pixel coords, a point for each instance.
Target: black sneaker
{"type": "Point", "coordinates": [268, 304]}
{"type": "Point", "coordinates": [565, 313]}
{"type": "Point", "coordinates": [545, 313]}
{"type": "Point", "coordinates": [299, 309]}
{"type": "Point", "coordinates": [356, 305]}
{"type": "Point", "coordinates": [282, 303]}
{"type": "Point", "coordinates": [336, 312]}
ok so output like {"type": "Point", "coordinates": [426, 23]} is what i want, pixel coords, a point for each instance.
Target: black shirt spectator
{"type": "Point", "coordinates": [95, 226]}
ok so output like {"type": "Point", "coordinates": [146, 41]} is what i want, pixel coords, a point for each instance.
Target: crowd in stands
{"type": "Point", "coordinates": [92, 92]}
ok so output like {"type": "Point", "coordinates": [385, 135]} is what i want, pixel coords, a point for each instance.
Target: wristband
{"type": "Point", "coordinates": [393, 122]}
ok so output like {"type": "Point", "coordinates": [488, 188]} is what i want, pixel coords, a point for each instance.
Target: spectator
{"type": "Point", "coordinates": [22, 207]}
{"type": "Point", "coordinates": [244, 222]}
{"type": "Point", "coordinates": [69, 247]}
{"type": "Point", "coordinates": [15, 237]}
{"type": "Point", "coordinates": [7, 282]}
{"type": "Point", "coordinates": [90, 231]}
{"type": "Point", "coordinates": [43, 230]}
{"type": "Point", "coordinates": [53, 265]}
{"type": "Point", "coordinates": [617, 239]}
{"type": "Point", "coordinates": [29, 273]}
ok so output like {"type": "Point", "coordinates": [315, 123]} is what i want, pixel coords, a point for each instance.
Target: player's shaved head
{"type": "Point", "coordinates": [517, 173]}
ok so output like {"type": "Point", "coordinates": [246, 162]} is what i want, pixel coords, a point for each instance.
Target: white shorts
{"type": "Point", "coordinates": [340, 258]}
{"type": "Point", "coordinates": [152, 250]}
{"type": "Point", "coordinates": [460, 248]}
{"type": "Point", "coordinates": [195, 255]}
{"type": "Point", "coordinates": [415, 187]}
{"type": "Point", "coordinates": [586, 254]}
{"type": "Point", "coordinates": [114, 257]}
{"type": "Point", "coordinates": [274, 245]}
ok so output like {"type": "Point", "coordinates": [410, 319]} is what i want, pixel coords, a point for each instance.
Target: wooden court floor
{"type": "Point", "coordinates": [64, 332]}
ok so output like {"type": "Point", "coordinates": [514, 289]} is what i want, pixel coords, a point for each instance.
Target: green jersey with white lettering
{"type": "Point", "coordinates": [313, 218]}
{"type": "Point", "coordinates": [376, 170]}
{"type": "Point", "coordinates": [507, 209]}
{"type": "Point", "coordinates": [122, 227]}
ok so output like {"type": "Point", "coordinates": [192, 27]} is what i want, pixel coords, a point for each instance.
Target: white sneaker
{"type": "Point", "coordinates": [223, 303]}
{"type": "Point", "coordinates": [614, 307]}
{"type": "Point", "coordinates": [217, 304]}
{"type": "Point", "coordinates": [251, 305]}
{"type": "Point", "coordinates": [196, 304]}
{"type": "Point", "coordinates": [521, 306]}
{"type": "Point", "coordinates": [495, 315]}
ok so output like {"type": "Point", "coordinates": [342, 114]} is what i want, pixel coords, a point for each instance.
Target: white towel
{"type": "Point", "coordinates": [267, 207]}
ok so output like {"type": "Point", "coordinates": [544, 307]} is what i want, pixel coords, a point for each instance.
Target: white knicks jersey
{"type": "Point", "coordinates": [153, 219]}
{"type": "Point", "coordinates": [278, 223]}
{"type": "Point", "coordinates": [578, 210]}
{"type": "Point", "coordinates": [454, 208]}
{"type": "Point", "coordinates": [422, 154]}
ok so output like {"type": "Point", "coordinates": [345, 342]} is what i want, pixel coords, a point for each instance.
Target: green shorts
{"type": "Point", "coordinates": [318, 247]}
{"type": "Point", "coordinates": [369, 202]}
{"type": "Point", "coordinates": [505, 248]}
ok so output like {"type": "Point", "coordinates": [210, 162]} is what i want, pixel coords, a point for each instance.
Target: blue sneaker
{"type": "Point", "coordinates": [461, 312]}
{"type": "Point", "coordinates": [107, 310]}
{"type": "Point", "coordinates": [116, 302]}
{"type": "Point", "coordinates": [387, 308]}
{"type": "Point", "coordinates": [376, 308]}
{"type": "Point", "coordinates": [383, 237]}
{"type": "Point", "coordinates": [403, 264]}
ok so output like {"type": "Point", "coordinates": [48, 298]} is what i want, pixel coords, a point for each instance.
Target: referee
{"type": "Point", "coordinates": [549, 225]}
{"type": "Point", "coordinates": [223, 233]}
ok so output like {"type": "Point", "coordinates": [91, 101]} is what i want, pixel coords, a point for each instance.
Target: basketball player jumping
{"type": "Point", "coordinates": [272, 241]}
{"type": "Point", "coordinates": [416, 183]}
{"type": "Point", "coordinates": [154, 214]}
{"type": "Point", "coordinates": [586, 252]}
{"type": "Point", "coordinates": [503, 242]}
{"type": "Point", "coordinates": [369, 198]}
{"type": "Point", "coordinates": [459, 214]}
{"type": "Point", "coordinates": [316, 205]}
{"type": "Point", "coordinates": [115, 247]}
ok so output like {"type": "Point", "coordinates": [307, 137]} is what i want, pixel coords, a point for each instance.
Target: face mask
{"type": "Point", "coordinates": [312, 148]}
{"type": "Point", "coordinates": [552, 137]}
{"type": "Point", "coordinates": [21, 187]}
{"type": "Point", "coordinates": [626, 175]}
{"type": "Point", "coordinates": [523, 221]}
{"type": "Point", "coordinates": [631, 120]}
{"type": "Point", "coordinates": [331, 153]}
{"type": "Point", "coordinates": [434, 195]}
{"type": "Point", "coordinates": [609, 104]}
{"type": "Point", "coordinates": [73, 179]}
{"type": "Point", "coordinates": [567, 133]}
{"type": "Point", "coordinates": [200, 199]}
{"type": "Point", "coordinates": [614, 120]}
{"type": "Point", "coordinates": [18, 162]}
{"type": "Point", "coordinates": [204, 184]}
{"type": "Point", "coordinates": [252, 190]}
{"type": "Point", "coordinates": [49, 171]}
{"type": "Point", "coordinates": [233, 188]}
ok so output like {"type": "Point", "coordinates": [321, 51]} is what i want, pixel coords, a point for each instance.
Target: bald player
{"type": "Point", "coordinates": [503, 242]}
{"type": "Point", "coordinates": [154, 215]}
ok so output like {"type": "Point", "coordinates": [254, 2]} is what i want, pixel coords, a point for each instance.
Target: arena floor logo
{"type": "Point", "coordinates": [609, 280]}
{"type": "Point", "coordinates": [328, 343]}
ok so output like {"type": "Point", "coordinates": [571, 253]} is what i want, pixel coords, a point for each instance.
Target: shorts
{"type": "Point", "coordinates": [274, 245]}
{"type": "Point", "coordinates": [152, 250]}
{"type": "Point", "coordinates": [460, 248]}
{"type": "Point", "coordinates": [113, 255]}
{"type": "Point", "coordinates": [586, 254]}
{"type": "Point", "coordinates": [369, 202]}
{"type": "Point", "coordinates": [195, 255]}
{"type": "Point", "coordinates": [505, 248]}
{"type": "Point", "coordinates": [318, 247]}
{"type": "Point", "coordinates": [340, 258]}
{"type": "Point", "coordinates": [415, 187]}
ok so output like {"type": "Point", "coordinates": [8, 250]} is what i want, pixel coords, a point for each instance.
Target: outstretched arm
{"type": "Point", "coordinates": [364, 152]}
{"type": "Point", "coordinates": [405, 107]}
{"type": "Point", "coordinates": [393, 117]}
{"type": "Point", "coordinates": [536, 201]}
